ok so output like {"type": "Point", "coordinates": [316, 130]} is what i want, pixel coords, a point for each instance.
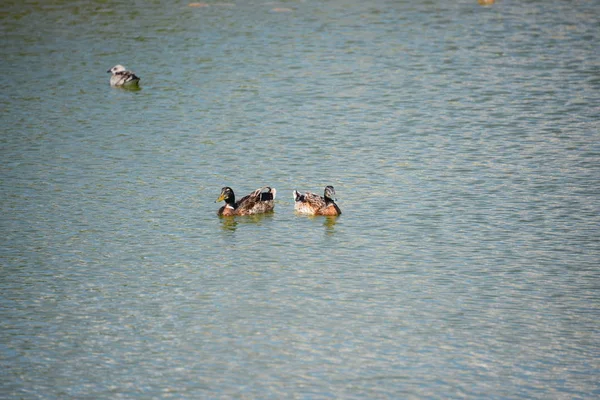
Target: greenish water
{"type": "Point", "coordinates": [463, 144]}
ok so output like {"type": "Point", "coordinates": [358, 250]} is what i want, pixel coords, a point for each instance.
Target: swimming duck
{"type": "Point", "coordinates": [313, 204]}
{"type": "Point", "coordinates": [122, 77]}
{"type": "Point", "coordinates": [258, 202]}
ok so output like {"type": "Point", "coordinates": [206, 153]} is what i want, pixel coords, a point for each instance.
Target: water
{"type": "Point", "coordinates": [463, 143]}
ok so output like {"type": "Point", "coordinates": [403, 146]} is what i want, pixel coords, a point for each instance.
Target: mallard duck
{"type": "Point", "coordinates": [313, 204]}
{"type": "Point", "coordinates": [122, 77]}
{"type": "Point", "coordinates": [258, 202]}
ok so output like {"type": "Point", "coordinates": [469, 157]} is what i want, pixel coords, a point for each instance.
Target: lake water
{"type": "Point", "coordinates": [464, 145]}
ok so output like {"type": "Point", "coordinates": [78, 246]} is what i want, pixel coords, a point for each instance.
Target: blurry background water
{"type": "Point", "coordinates": [463, 142]}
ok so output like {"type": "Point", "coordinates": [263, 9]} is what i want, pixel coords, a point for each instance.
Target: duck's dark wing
{"type": "Point", "coordinates": [127, 77]}
{"type": "Point", "coordinates": [261, 200]}
{"type": "Point", "coordinates": [313, 200]}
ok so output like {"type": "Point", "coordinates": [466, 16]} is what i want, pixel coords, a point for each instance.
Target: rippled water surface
{"type": "Point", "coordinates": [463, 142]}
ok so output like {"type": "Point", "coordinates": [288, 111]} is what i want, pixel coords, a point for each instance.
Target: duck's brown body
{"type": "Point", "coordinates": [258, 202]}
{"type": "Point", "coordinates": [313, 204]}
{"type": "Point", "coordinates": [123, 78]}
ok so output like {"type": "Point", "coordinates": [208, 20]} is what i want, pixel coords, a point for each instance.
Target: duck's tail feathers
{"type": "Point", "coordinates": [268, 195]}
{"type": "Point", "coordinates": [297, 196]}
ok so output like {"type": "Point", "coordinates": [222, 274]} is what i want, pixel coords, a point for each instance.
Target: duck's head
{"type": "Point", "coordinates": [116, 69]}
{"type": "Point", "coordinates": [226, 195]}
{"type": "Point", "coordinates": [329, 193]}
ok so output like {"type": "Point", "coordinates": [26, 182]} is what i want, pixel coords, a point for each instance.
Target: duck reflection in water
{"type": "Point", "coordinates": [230, 223]}
{"type": "Point", "coordinates": [329, 224]}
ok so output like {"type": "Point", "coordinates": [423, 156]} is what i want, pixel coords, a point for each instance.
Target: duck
{"type": "Point", "coordinates": [313, 204]}
{"type": "Point", "coordinates": [258, 202]}
{"type": "Point", "coordinates": [122, 77]}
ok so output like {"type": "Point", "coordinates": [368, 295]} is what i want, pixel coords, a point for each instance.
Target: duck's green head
{"type": "Point", "coordinates": [227, 195]}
